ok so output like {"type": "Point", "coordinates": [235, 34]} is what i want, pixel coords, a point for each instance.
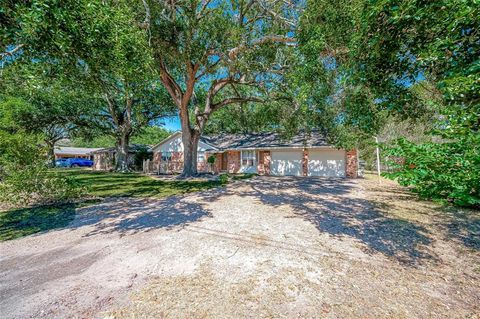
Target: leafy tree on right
{"type": "Point", "coordinates": [381, 55]}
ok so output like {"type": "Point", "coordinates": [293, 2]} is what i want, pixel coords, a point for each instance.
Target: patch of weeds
{"type": "Point", "coordinates": [223, 178]}
{"type": "Point", "coordinates": [238, 177]}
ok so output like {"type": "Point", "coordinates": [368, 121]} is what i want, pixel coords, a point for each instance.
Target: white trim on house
{"type": "Point", "coordinates": [154, 148]}
{"type": "Point", "coordinates": [201, 155]}
{"type": "Point", "coordinates": [165, 140]}
{"type": "Point", "coordinates": [249, 168]}
{"type": "Point", "coordinates": [280, 148]}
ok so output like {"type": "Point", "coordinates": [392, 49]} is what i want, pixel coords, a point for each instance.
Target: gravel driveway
{"type": "Point", "coordinates": [261, 248]}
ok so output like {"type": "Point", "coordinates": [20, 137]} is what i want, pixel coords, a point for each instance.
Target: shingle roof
{"type": "Point", "coordinates": [62, 150]}
{"type": "Point", "coordinates": [132, 148]}
{"type": "Point", "coordinates": [264, 140]}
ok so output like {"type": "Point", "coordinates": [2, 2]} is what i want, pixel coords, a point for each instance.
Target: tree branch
{"type": "Point", "coordinates": [232, 54]}
{"type": "Point", "coordinates": [111, 108]}
{"type": "Point", "coordinates": [232, 100]}
{"type": "Point", "coordinates": [276, 15]}
{"type": "Point", "coordinates": [205, 4]}
{"type": "Point", "coordinates": [190, 81]}
{"type": "Point", "coordinates": [171, 85]}
{"type": "Point", "coordinates": [146, 23]}
{"type": "Point", "coordinates": [11, 52]}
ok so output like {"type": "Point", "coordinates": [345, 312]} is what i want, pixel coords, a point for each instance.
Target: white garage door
{"type": "Point", "coordinates": [286, 163]}
{"type": "Point", "coordinates": [326, 163]}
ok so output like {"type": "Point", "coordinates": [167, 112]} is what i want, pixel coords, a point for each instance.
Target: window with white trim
{"type": "Point", "coordinates": [201, 157]}
{"type": "Point", "coordinates": [248, 158]}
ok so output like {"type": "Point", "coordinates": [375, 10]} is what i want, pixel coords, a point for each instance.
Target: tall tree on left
{"type": "Point", "coordinates": [101, 51]}
{"type": "Point", "coordinates": [44, 104]}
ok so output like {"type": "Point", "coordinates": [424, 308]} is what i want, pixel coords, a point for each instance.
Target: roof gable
{"type": "Point", "coordinates": [172, 136]}
{"type": "Point", "coordinates": [171, 145]}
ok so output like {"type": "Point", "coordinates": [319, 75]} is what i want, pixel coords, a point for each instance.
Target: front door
{"type": "Point", "coordinates": [224, 161]}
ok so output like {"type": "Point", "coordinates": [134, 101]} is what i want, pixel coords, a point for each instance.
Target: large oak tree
{"type": "Point", "coordinates": [101, 50]}
{"type": "Point", "coordinates": [206, 51]}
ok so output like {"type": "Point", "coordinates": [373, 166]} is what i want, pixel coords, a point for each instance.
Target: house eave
{"type": "Point", "coordinates": [279, 148]}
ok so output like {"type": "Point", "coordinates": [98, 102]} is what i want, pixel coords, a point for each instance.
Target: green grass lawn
{"type": "Point", "coordinates": [107, 184]}
{"type": "Point", "coordinates": [22, 222]}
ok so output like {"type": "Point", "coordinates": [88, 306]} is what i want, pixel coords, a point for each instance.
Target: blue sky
{"type": "Point", "coordinates": [171, 123]}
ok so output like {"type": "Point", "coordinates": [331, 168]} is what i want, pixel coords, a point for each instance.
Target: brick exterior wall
{"type": "Point", "coordinates": [203, 167]}
{"type": "Point", "coordinates": [267, 158]}
{"type": "Point", "coordinates": [305, 163]}
{"type": "Point", "coordinates": [233, 161]}
{"type": "Point", "coordinates": [263, 167]}
{"type": "Point", "coordinates": [351, 164]}
{"type": "Point", "coordinates": [176, 163]}
{"type": "Point", "coordinates": [157, 157]}
{"type": "Point", "coordinates": [104, 161]}
{"type": "Point", "coordinates": [217, 167]}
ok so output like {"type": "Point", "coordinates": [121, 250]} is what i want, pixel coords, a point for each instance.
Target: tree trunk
{"type": "Point", "coordinates": [190, 138]}
{"type": "Point", "coordinates": [50, 153]}
{"type": "Point", "coordinates": [121, 158]}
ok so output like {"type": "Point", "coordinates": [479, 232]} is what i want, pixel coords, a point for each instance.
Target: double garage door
{"type": "Point", "coordinates": [325, 162]}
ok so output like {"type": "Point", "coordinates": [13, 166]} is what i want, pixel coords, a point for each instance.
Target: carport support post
{"type": "Point", "coordinates": [378, 157]}
{"type": "Point", "coordinates": [305, 162]}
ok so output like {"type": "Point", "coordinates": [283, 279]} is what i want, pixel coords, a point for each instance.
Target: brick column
{"type": "Point", "coordinates": [176, 163]}
{"type": "Point", "coordinates": [260, 169]}
{"type": "Point", "coordinates": [263, 166]}
{"type": "Point", "coordinates": [217, 167]}
{"type": "Point", "coordinates": [305, 163]}
{"type": "Point", "coordinates": [351, 164]}
{"type": "Point", "coordinates": [266, 162]}
{"type": "Point", "coordinates": [157, 160]}
{"type": "Point", "coordinates": [157, 157]}
{"type": "Point", "coordinates": [233, 161]}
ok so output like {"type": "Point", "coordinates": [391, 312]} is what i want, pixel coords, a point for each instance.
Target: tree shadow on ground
{"type": "Point", "coordinates": [464, 225]}
{"type": "Point", "coordinates": [456, 223]}
{"type": "Point", "coordinates": [22, 222]}
{"type": "Point", "coordinates": [133, 215]}
{"type": "Point", "coordinates": [328, 204]}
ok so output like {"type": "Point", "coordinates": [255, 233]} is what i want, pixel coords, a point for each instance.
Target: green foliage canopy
{"type": "Point", "coordinates": [100, 48]}
{"type": "Point", "coordinates": [380, 49]}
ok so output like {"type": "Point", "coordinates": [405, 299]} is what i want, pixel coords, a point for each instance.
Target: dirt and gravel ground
{"type": "Point", "coordinates": [261, 248]}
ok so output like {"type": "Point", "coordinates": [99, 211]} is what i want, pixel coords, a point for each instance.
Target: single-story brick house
{"type": "Point", "coordinates": [262, 153]}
